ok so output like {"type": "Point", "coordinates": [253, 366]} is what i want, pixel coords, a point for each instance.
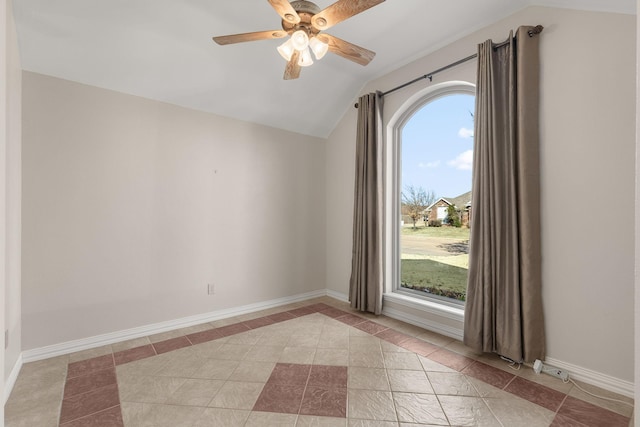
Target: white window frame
{"type": "Point", "coordinates": [441, 311]}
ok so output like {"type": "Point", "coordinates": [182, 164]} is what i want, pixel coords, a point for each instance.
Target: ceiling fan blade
{"type": "Point", "coordinates": [347, 50]}
{"type": "Point", "coordinates": [285, 10]}
{"type": "Point", "coordinates": [292, 70]}
{"type": "Point", "coordinates": [339, 11]}
{"type": "Point", "coordinates": [249, 37]}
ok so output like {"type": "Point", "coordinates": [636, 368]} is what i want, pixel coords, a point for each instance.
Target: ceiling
{"type": "Point", "coordinates": [162, 50]}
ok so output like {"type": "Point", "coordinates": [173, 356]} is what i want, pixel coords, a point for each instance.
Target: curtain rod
{"type": "Point", "coordinates": [536, 30]}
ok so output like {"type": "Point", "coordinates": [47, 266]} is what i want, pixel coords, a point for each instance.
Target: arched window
{"type": "Point", "coordinates": [432, 143]}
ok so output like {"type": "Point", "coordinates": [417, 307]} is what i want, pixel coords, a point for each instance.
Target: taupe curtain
{"type": "Point", "coordinates": [365, 285]}
{"type": "Point", "coordinates": [503, 312]}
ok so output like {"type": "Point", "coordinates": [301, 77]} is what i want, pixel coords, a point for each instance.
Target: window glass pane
{"type": "Point", "coordinates": [437, 153]}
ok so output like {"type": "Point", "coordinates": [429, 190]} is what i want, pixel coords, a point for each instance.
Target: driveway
{"type": "Point", "coordinates": [432, 246]}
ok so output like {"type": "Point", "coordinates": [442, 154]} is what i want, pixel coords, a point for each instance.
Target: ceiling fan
{"type": "Point", "coordinates": [304, 21]}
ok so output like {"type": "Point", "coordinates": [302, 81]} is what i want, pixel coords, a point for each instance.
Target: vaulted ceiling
{"type": "Point", "coordinates": [162, 50]}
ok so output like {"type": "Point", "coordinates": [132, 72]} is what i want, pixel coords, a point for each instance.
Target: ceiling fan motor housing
{"type": "Point", "coordinates": [305, 10]}
{"type": "Point", "coordinates": [305, 6]}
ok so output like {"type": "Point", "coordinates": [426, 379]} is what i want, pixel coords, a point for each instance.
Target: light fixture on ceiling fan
{"type": "Point", "coordinates": [301, 42]}
{"type": "Point", "coordinates": [303, 21]}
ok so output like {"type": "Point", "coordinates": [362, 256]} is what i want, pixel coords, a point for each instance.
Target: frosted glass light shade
{"type": "Point", "coordinates": [305, 58]}
{"type": "Point", "coordinates": [286, 50]}
{"type": "Point", "coordinates": [300, 40]}
{"type": "Point", "coordinates": [319, 48]}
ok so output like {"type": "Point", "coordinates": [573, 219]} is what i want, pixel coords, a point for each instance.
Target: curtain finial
{"type": "Point", "coordinates": [535, 30]}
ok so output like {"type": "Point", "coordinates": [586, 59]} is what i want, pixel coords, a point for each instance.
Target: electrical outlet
{"type": "Point", "coordinates": [211, 289]}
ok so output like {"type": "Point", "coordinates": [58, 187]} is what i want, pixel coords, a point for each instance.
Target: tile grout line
{"type": "Point", "coordinates": [508, 382]}
{"type": "Point", "coordinates": [395, 407]}
{"type": "Point", "coordinates": [560, 406]}
{"type": "Point", "coordinates": [304, 391]}
{"type": "Point", "coordinates": [484, 400]}
{"type": "Point", "coordinates": [89, 415]}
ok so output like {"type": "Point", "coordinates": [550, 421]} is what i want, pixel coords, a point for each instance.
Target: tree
{"type": "Point", "coordinates": [453, 218]}
{"type": "Point", "coordinates": [415, 201]}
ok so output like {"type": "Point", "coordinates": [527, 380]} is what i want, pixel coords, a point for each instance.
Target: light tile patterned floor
{"type": "Point", "coordinates": [309, 364]}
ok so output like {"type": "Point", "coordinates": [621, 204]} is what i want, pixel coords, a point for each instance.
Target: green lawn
{"type": "Point", "coordinates": [450, 232]}
{"type": "Point", "coordinates": [434, 277]}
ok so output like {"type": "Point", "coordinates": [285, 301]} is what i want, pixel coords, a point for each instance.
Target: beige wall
{"type": "Point", "coordinates": [10, 188]}
{"type": "Point", "coordinates": [14, 196]}
{"type": "Point", "coordinates": [131, 207]}
{"type": "Point", "coordinates": [340, 172]}
{"type": "Point", "coordinates": [3, 179]}
{"type": "Point", "coordinates": [636, 419]}
{"type": "Point", "coordinates": [587, 154]}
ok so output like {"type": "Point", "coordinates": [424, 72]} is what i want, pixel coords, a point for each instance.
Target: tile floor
{"type": "Point", "coordinates": [316, 363]}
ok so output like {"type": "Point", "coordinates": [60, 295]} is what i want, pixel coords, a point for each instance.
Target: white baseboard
{"type": "Point", "coordinates": [11, 379]}
{"type": "Point", "coordinates": [606, 382]}
{"type": "Point", "coordinates": [156, 328]}
{"type": "Point", "coordinates": [338, 295]}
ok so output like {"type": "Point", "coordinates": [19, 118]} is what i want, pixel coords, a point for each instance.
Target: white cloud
{"type": "Point", "coordinates": [465, 133]}
{"type": "Point", "coordinates": [429, 164]}
{"type": "Point", "coordinates": [464, 161]}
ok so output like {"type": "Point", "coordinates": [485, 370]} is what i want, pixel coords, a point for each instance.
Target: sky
{"type": "Point", "coordinates": [437, 146]}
